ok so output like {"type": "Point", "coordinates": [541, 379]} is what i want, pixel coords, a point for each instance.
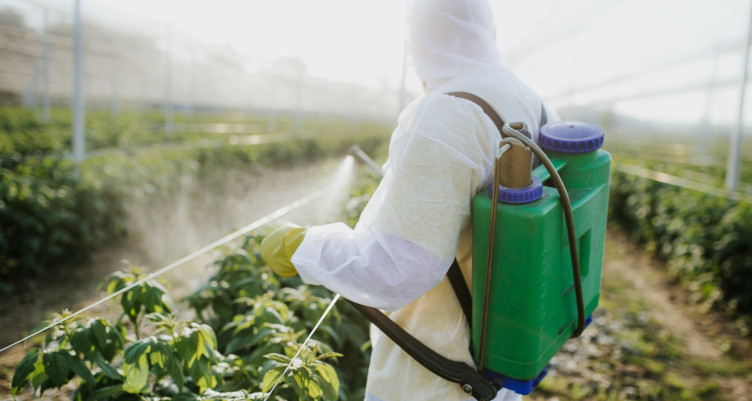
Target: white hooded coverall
{"type": "Point", "coordinates": [440, 156]}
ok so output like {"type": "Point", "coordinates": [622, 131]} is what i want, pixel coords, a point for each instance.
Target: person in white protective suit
{"type": "Point", "coordinates": [440, 156]}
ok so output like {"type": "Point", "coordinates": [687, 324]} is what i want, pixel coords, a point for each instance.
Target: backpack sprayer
{"type": "Point", "coordinates": [536, 274]}
{"type": "Point", "coordinates": [539, 273]}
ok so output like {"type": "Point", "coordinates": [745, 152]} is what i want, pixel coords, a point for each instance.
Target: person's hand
{"type": "Point", "coordinates": [279, 246]}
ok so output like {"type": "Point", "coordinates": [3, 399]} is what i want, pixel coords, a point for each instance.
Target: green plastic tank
{"type": "Point", "coordinates": [532, 308]}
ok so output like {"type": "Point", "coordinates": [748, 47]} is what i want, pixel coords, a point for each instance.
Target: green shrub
{"type": "Point", "coordinates": [706, 239]}
{"type": "Point", "coordinates": [53, 212]}
{"type": "Point", "coordinates": [246, 332]}
{"type": "Point", "coordinates": [49, 214]}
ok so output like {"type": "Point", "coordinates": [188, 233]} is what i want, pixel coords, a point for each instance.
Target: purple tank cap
{"type": "Point", "coordinates": [570, 137]}
{"type": "Point", "coordinates": [528, 194]}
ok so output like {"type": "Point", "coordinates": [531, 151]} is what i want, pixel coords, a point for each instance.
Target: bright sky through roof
{"type": "Point", "coordinates": [556, 46]}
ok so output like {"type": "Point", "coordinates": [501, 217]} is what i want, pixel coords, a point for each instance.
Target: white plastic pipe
{"type": "Point", "coordinates": [79, 141]}
{"type": "Point", "coordinates": [735, 144]}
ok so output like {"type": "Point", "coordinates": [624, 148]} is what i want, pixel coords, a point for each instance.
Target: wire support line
{"type": "Point", "coordinates": [668, 179]}
{"type": "Point", "coordinates": [721, 48]}
{"type": "Point", "coordinates": [596, 100]}
{"type": "Point", "coordinates": [326, 312]}
{"type": "Point", "coordinates": [250, 227]}
{"type": "Point", "coordinates": [595, 11]}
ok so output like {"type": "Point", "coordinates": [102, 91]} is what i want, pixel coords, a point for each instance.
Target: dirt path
{"type": "Point", "coordinates": [162, 234]}
{"type": "Point", "coordinates": [649, 342]}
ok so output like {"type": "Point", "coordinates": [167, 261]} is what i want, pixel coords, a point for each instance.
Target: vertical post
{"type": "Point", "coordinates": [30, 93]}
{"type": "Point", "coordinates": [168, 107]}
{"type": "Point", "coordinates": [298, 100]}
{"type": "Point", "coordinates": [46, 67]}
{"type": "Point", "coordinates": [114, 91]}
{"type": "Point", "coordinates": [271, 124]}
{"type": "Point", "coordinates": [735, 144]}
{"type": "Point", "coordinates": [142, 95]}
{"type": "Point", "coordinates": [703, 133]}
{"type": "Point", "coordinates": [79, 142]}
{"type": "Point", "coordinates": [192, 82]}
{"type": "Point", "coordinates": [404, 59]}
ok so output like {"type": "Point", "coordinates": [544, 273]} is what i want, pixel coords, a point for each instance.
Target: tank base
{"type": "Point", "coordinates": [522, 387]}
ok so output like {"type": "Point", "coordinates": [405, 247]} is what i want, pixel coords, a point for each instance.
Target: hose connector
{"type": "Point", "coordinates": [516, 182]}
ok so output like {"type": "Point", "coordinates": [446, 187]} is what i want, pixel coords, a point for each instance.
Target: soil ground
{"type": "Point", "coordinates": [647, 342]}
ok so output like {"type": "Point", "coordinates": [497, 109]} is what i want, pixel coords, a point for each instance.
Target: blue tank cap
{"type": "Point", "coordinates": [570, 137]}
{"type": "Point", "coordinates": [528, 194]}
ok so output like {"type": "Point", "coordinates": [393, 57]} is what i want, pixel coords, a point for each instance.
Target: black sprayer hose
{"type": "Point", "coordinates": [511, 130]}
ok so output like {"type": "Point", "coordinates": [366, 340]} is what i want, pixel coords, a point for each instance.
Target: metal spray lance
{"type": "Point", "coordinates": [326, 312]}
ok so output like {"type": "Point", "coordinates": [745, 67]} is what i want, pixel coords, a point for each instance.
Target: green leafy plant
{"type": "Point", "coordinates": [54, 212]}
{"type": "Point", "coordinates": [706, 239]}
{"type": "Point", "coordinates": [247, 327]}
{"type": "Point", "coordinates": [147, 352]}
{"type": "Point", "coordinates": [311, 377]}
{"type": "Point", "coordinates": [83, 348]}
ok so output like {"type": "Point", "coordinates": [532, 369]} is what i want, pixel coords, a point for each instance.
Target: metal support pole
{"type": "Point", "coordinates": [298, 100]}
{"type": "Point", "coordinates": [192, 83]}
{"type": "Point", "coordinates": [30, 92]}
{"type": "Point", "coordinates": [404, 60]}
{"type": "Point", "coordinates": [114, 91]}
{"type": "Point", "coordinates": [271, 124]}
{"type": "Point", "coordinates": [46, 72]}
{"type": "Point", "coordinates": [168, 106]}
{"type": "Point", "coordinates": [704, 132]}
{"type": "Point", "coordinates": [735, 144]}
{"type": "Point", "coordinates": [79, 142]}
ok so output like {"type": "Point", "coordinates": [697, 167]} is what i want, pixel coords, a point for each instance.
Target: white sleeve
{"type": "Point", "coordinates": [402, 246]}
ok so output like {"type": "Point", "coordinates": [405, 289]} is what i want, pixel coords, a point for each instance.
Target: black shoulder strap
{"type": "Point", "coordinates": [492, 114]}
{"type": "Point", "coordinates": [471, 381]}
{"type": "Point", "coordinates": [461, 291]}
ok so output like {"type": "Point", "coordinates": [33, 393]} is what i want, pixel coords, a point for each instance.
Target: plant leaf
{"type": "Point", "coordinates": [82, 341]}
{"type": "Point", "coordinates": [334, 355]}
{"type": "Point", "coordinates": [39, 376]}
{"type": "Point", "coordinates": [271, 377]}
{"type": "Point", "coordinates": [202, 375]}
{"type": "Point", "coordinates": [175, 369]}
{"type": "Point", "coordinates": [328, 380]}
{"type": "Point", "coordinates": [136, 375]}
{"type": "Point", "coordinates": [109, 392]}
{"type": "Point", "coordinates": [99, 332]}
{"type": "Point", "coordinates": [78, 367]}
{"type": "Point", "coordinates": [107, 369]}
{"type": "Point", "coordinates": [134, 351]}
{"type": "Point", "coordinates": [57, 365]}
{"type": "Point", "coordinates": [279, 358]}
{"type": "Point", "coordinates": [209, 337]}
{"type": "Point", "coordinates": [187, 345]}
{"type": "Point", "coordinates": [159, 354]}
{"type": "Point", "coordinates": [25, 368]}
{"type": "Point", "coordinates": [306, 382]}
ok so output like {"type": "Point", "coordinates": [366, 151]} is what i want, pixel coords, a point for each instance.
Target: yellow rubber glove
{"type": "Point", "coordinates": [279, 246]}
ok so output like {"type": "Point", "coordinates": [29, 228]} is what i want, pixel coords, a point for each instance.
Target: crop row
{"type": "Point", "coordinates": [246, 325]}
{"type": "Point", "coordinates": [53, 211]}
{"type": "Point", "coordinates": [706, 239]}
